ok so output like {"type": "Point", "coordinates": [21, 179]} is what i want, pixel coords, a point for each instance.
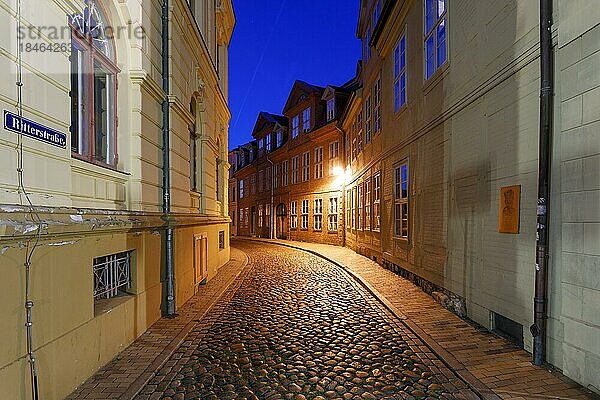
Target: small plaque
{"type": "Point", "coordinates": [509, 209]}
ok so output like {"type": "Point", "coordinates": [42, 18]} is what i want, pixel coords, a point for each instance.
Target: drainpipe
{"type": "Point", "coordinates": [538, 329]}
{"type": "Point", "coordinates": [170, 270]}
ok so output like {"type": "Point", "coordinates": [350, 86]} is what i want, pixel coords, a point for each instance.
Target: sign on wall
{"type": "Point", "coordinates": [26, 127]}
{"type": "Point", "coordinates": [509, 209]}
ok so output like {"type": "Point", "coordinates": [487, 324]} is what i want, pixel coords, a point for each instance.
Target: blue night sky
{"type": "Point", "coordinates": [276, 42]}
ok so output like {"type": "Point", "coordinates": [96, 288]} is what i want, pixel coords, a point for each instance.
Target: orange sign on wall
{"type": "Point", "coordinates": [509, 209]}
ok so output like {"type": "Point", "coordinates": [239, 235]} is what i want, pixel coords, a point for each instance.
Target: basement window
{"type": "Point", "coordinates": [221, 240]}
{"type": "Point", "coordinates": [112, 275]}
{"type": "Point", "coordinates": [507, 328]}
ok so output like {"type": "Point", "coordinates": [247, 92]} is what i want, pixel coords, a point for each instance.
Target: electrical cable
{"type": "Point", "coordinates": [33, 214]}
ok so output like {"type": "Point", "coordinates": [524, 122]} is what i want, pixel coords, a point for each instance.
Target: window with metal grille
{"type": "Point", "coordinates": [111, 275]}
{"type": "Point", "coordinates": [221, 240]}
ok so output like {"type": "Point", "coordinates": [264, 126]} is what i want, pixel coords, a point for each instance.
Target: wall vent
{"type": "Point", "coordinates": [507, 328]}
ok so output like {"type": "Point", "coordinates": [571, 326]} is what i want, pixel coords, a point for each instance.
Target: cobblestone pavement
{"type": "Point", "coordinates": [299, 327]}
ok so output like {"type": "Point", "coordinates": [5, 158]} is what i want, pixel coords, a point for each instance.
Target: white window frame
{"type": "Point", "coordinates": [284, 173]}
{"type": "Point", "coordinates": [318, 215]}
{"type": "Point", "coordinates": [304, 214]}
{"type": "Point", "coordinates": [367, 219]}
{"type": "Point", "coordinates": [400, 75]}
{"type": "Point", "coordinates": [318, 162]}
{"type": "Point", "coordinates": [305, 166]}
{"type": "Point", "coordinates": [438, 23]}
{"type": "Point", "coordinates": [377, 202]}
{"type": "Point", "coordinates": [331, 109]}
{"type": "Point", "coordinates": [332, 215]}
{"type": "Point", "coordinates": [359, 212]}
{"type": "Point", "coordinates": [295, 126]}
{"type": "Point", "coordinates": [293, 215]}
{"type": "Point", "coordinates": [334, 154]}
{"type": "Point", "coordinates": [306, 123]}
{"type": "Point", "coordinates": [294, 170]}
{"type": "Point", "coordinates": [368, 120]}
{"type": "Point", "coordinates": [376, 99]}
{"type": "Point", "coordinates": [401, 198]}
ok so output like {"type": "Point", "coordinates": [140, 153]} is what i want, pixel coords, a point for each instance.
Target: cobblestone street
{"type": "Point", "coordinates": [299, 327]}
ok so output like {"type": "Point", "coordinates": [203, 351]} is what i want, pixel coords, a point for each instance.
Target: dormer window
{"type": "Point", "coordinates": [268, 143]}
{"type": "Point", "coordinates": [295, 126]}
{"type": "Point", "coordinates": [331, 109]}
{"type": "Point", "coordinates": [279, 139]}
{"type": "Point", "coordinates": [260, 148]}
{"type": "Point", "coordinates": [306, 120]}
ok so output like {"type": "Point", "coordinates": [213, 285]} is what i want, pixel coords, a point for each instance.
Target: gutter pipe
{"type": "Point", "coordinates": [538, 329]}
{"type": "Point", "coordinates": [170, 270]}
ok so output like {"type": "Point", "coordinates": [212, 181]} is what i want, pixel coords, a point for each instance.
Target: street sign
{"type": "Point", "coordinates": [26, 127]}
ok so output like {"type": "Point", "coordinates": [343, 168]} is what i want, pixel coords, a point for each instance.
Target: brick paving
{"type": "Point", "coordinates": [300, 327]}
{"type": "Point", "coordinates": [126, 373]}
{"type": "Point", "coordinates": [494, 361]}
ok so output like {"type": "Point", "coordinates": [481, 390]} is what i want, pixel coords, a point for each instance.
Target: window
{"type": "Point", "coordinates": [401, 201]}
{"type": "Point", "coordinates": [348, 209]}
{"type": "Point", "coordinates": [219, 192]}
{"type": "Point", "coordinates": [268, 181]}
{"type": "Point", "coordinates": [368, 203]}
{"type": "Point", "coordinates": [268, 215]}
{"type": "Point", "coordinates": [294, 170]}
{"type": "Point", "coordinates": [377, 106]}
{"type": "Point", "coordinates": [304, 214]}
{"type": "Point", "coordinates": [284, 173]}
{"type": "Point", "coordinates": [354, 208]}
{"type": "Point", "coordinates": [331, 109]}
{"type": "Point", "coordinates": [318, 215]}
{"type": "Point", "coordinates": [193, 162]}
{"type": "Point", "coordinates": [246, 213]}
{"type": "Point", "coordinates": [241, 189]}
{"type": "Point", "coordinates": [359, 212]}
{"type": "Point", "coordinates": [233, 217]}
{"type": "Point", "coordinates": [260, 216]}
{"type": "Point", "coordinates": [279, 139]}
{"type": "Point", "coordinates": [295, 126]}
{"type": "Point", "coordinates": [261, 180]}
{"type": "Point", "coordinates": [435, 36]}
{"type": "Point", "coordinates": [334, 153]}
{"type": "Point", "coordinates": [111, 275]}
{"type": "Point", "coordinates": [293, 215]}
{"type": "Point", "coordinates": [305, 166]}
{"type": "Point", "coordinates": [221, 240]}
{"type": "Point", "coordinates": [400, 74]}
{"type": "Point", "coordinates": [93, 89]}
{"type": "Point", "coordinates": [318, 163]}
{"type": "Point", "coordinates": [332, 215]}
{"type": "Point", "coordinates": [376, 201]}
{"type": "Point", "coordinates": [306, 120]}
{"type": "Point", "coordinates": [268, 141]}
{"type": "Point", "coordinates": [275, 176]}
{"type": "Point", "coordinates": [253, 184]}
{"type": "Point", "coordinates": [368, 125]}
{"type": "Point", "coordinates": [260, 147]}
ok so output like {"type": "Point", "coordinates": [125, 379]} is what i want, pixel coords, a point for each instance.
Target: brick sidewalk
{"type": "Point", "coordinates": [128, 372]}
{"type": "Point", "coordinates": [494, 361]}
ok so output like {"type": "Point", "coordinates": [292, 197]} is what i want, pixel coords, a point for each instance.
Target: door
{"type": "Point", "coordinates": [281, 213]}
{"type": "Point", "coordinates": [200, 258]}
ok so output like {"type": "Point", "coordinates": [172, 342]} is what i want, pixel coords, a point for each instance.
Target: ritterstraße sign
{"type": "Point", "coordinates": [26, 127]}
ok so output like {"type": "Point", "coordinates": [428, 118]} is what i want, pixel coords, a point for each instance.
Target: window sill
{"type": "Point", "coordinates": [104, 306]}
{"type": "Point", "coordinates": [434, 79]}
{"type": "Point", "coordinates": [86, 163]}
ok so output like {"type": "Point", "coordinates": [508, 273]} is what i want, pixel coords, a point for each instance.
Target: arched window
{"type": "Point", "coordinates": [93, 87]}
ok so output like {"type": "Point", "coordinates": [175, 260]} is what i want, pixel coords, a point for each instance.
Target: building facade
{"type": "Point", "coordinates": [83, 141]}
{"type": "Point", "coordinates": [442, 158]}
{"type": "Point", "coordinates": [293, 188]}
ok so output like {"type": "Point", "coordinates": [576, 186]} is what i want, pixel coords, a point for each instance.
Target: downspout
{"type": "Point", "coordinates": [538, 329]}
{"type": "Point", "coordinates": [170, 271]}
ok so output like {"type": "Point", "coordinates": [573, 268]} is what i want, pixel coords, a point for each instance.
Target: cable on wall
{"type": "Point", "coordinates": [33, 214]}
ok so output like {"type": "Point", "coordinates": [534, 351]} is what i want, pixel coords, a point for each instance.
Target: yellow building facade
{"type": "Point", "coordinates": [84, 129]}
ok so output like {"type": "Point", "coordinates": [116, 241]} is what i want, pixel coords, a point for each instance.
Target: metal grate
{"type": "Point", "coordinates": [111, 273]}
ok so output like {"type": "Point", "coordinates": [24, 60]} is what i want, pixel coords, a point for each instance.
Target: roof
{"type": "Point", "coordinates": [304, 87]}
